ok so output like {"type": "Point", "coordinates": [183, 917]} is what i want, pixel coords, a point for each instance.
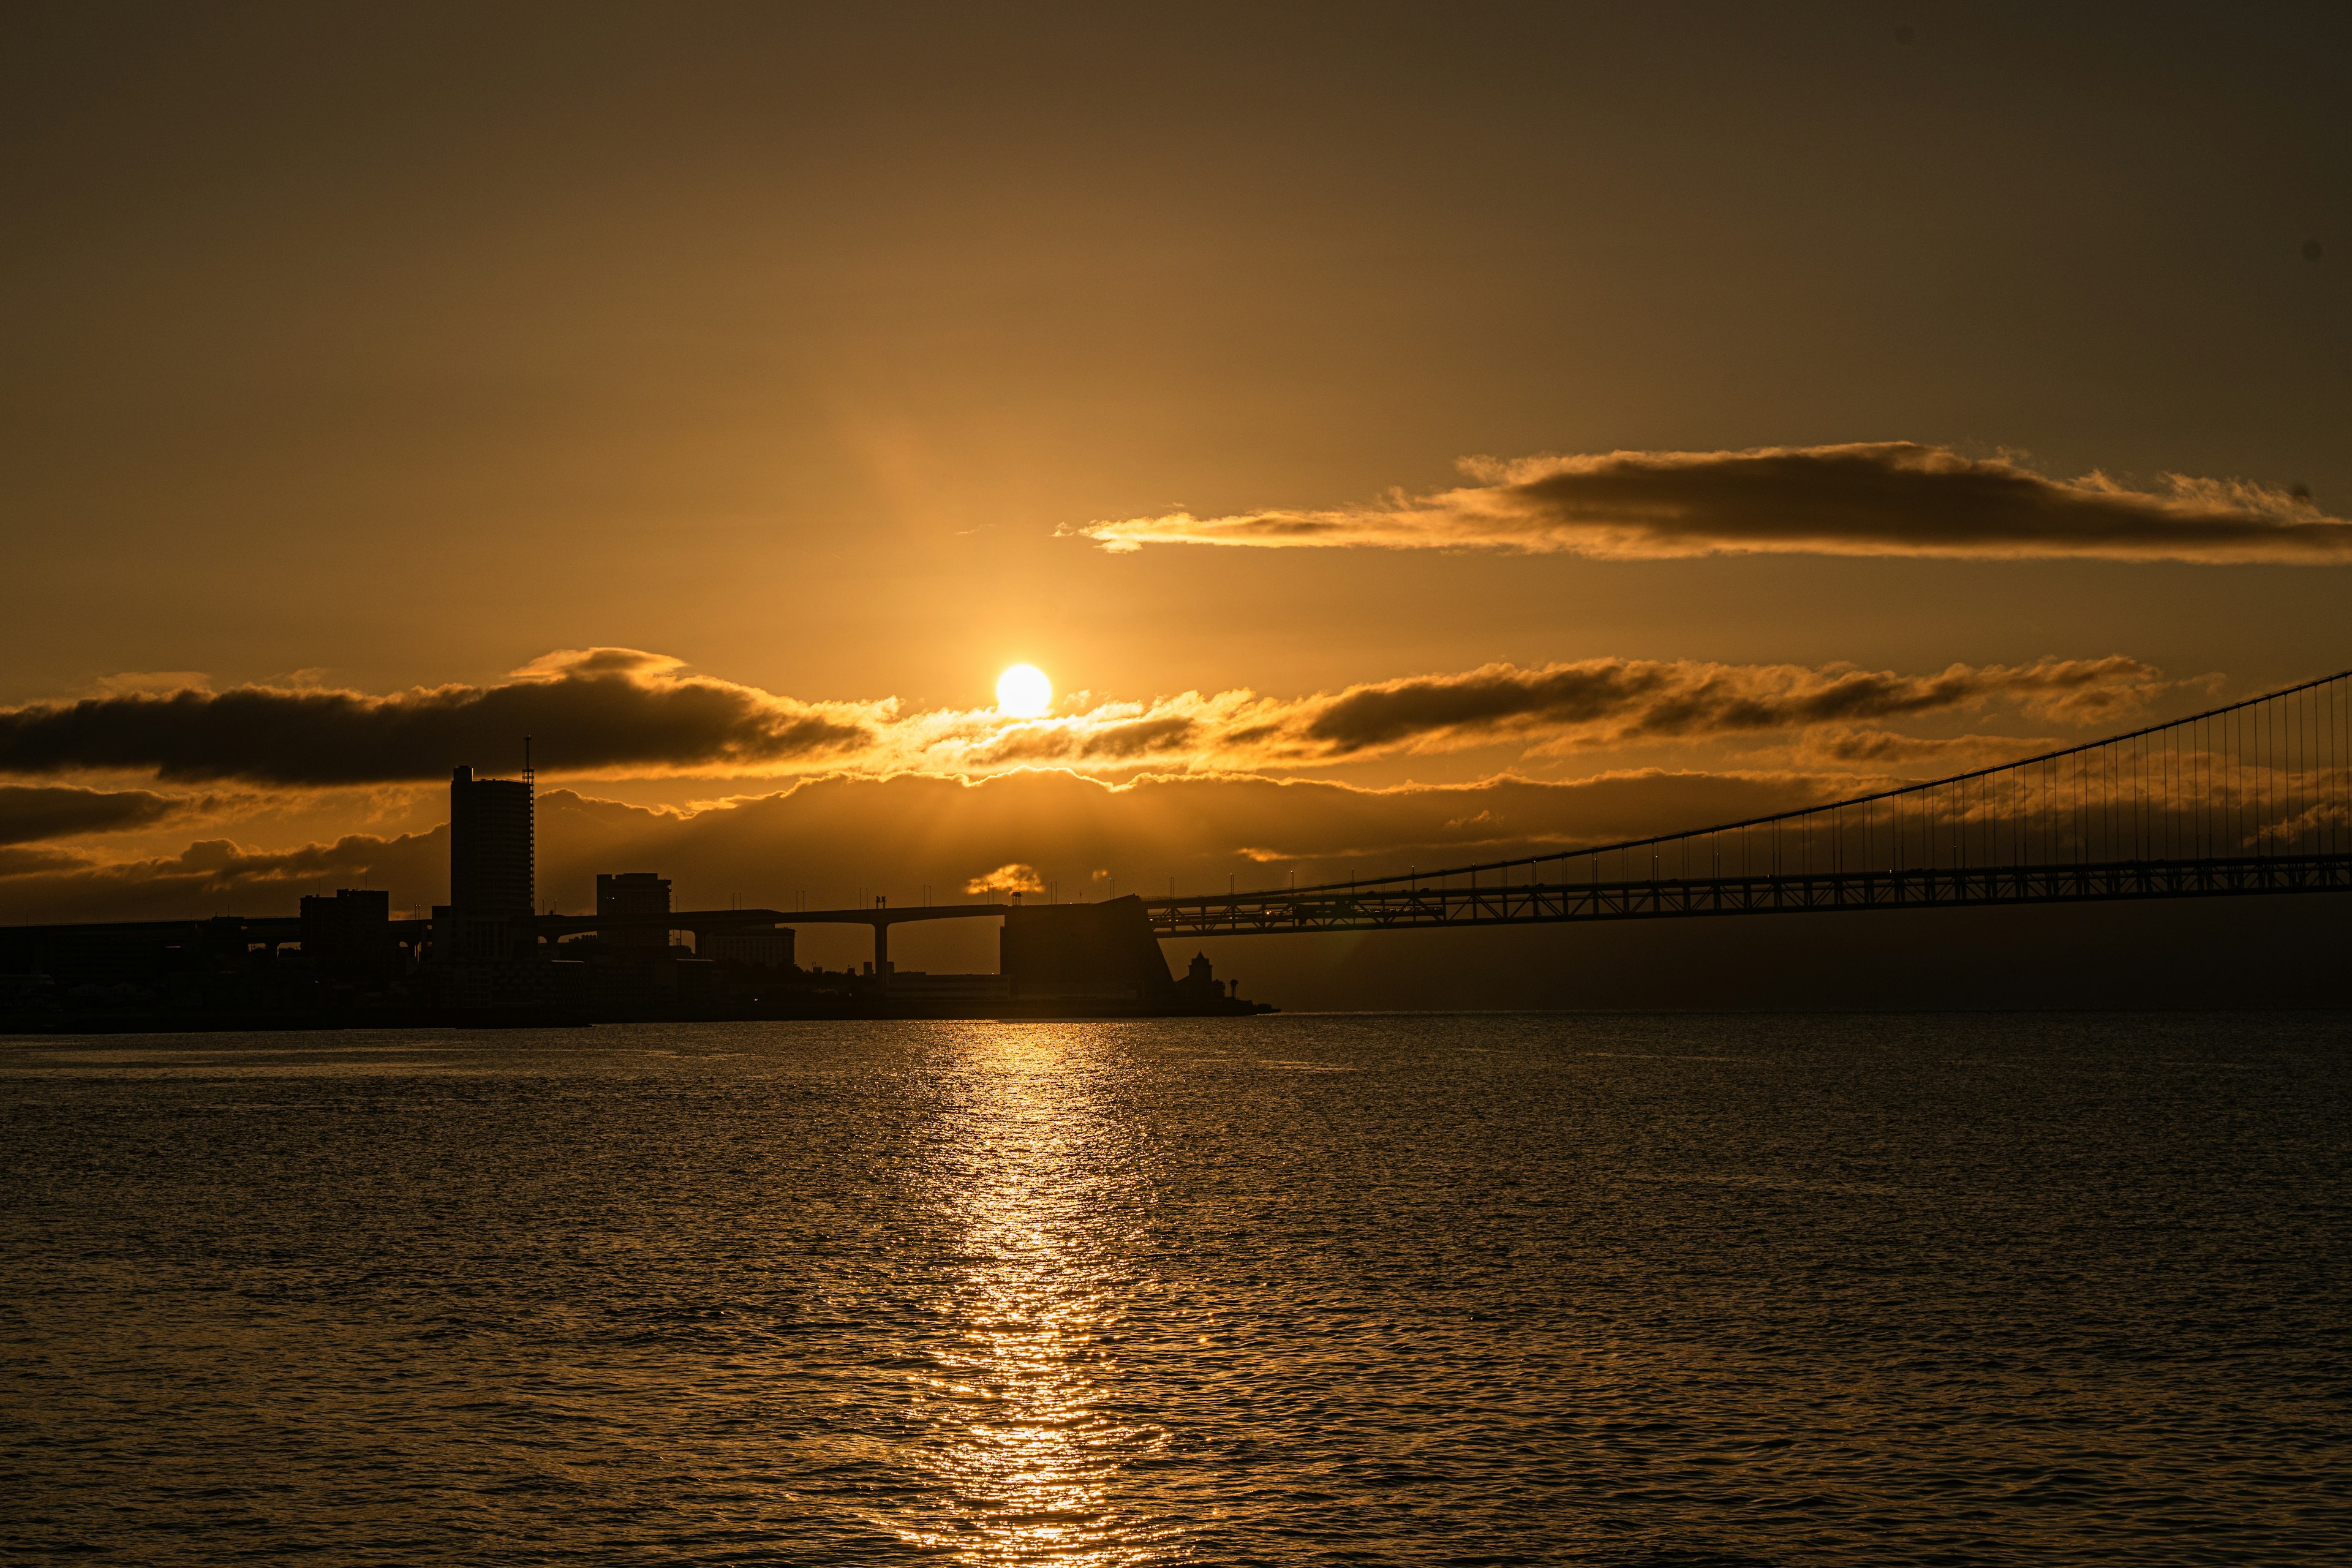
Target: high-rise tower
{"type": "Point", "coordinates": [490, 872]}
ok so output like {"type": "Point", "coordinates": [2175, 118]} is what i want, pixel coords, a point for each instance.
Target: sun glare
{"type": "Point", "coordinates": [1024, 692]}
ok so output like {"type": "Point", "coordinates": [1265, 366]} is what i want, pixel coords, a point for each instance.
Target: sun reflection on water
{"type": "Point", "coordinates": [1042, 1189]}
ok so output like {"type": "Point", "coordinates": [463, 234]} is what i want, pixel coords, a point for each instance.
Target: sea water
{"type": "Point", "coordinates": [1621, 1289]}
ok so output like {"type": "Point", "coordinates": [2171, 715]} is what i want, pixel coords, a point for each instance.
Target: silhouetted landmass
{"type": "Point", "coordinates": [486, 958]}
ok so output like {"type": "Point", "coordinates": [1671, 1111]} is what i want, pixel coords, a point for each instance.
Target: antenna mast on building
{"type": "Point", "coordinates": [528, 777]}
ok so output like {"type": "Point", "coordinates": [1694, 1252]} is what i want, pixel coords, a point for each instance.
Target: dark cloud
{"type": "Point", "coordinates": [1609, 700]}
{"type": "Point", "coordinates": [601, 708]}
{"type": "Point", "coordinates": [1891, 498]}
{"type": "Point", "coordinates": [1887, 748]}
{"type": "Point", "coordinates": [18, 862]}
{"type": "Point", "coordinates": [28, 812]}
{"type": "Point", "coordinates": [1498, 697]}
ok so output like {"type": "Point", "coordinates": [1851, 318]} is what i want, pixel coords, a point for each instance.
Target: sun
{"type": "Point", "coordinates": [1024, 692]}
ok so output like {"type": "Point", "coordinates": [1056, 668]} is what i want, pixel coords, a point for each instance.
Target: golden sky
{"type": "Point", "coordinates": [1452, 413]}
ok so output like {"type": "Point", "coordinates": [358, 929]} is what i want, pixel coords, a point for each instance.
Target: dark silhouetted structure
{"type": "Point", "coordinates": [1102, 951]}
{"type": "Point", "coordinates": [1201, 989]}
{"type": "Point", "coordinates": [491, 870]}
{"type": "Point", "coordinates": [632, 895]}
{"type": "Point", "coordinates": [348, 936]}
{"type": "Point", "coordinates": [754, 947]}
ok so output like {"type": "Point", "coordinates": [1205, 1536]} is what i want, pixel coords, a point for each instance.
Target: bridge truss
{"type": "Point", "coordinates": [2254, 797]}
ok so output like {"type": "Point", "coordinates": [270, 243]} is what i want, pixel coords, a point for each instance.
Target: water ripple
{"type": "Point", "coordinates": [1662, 1291]}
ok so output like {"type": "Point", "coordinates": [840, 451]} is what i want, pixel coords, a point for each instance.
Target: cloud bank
{"type": "Point", "coordinates": [621, 712]}
{"type": "Point", "coordinates": [612, 709]}
{"type": "Point", "coordinates": [1888, 498]}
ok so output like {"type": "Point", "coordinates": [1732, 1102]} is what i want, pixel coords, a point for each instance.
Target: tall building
{"type": "Point", "coordinates": [490, 879]}
{"type": "Point", "coordinates": [632, 893]}
{"type": "Point", "coordinates": [349, 935]}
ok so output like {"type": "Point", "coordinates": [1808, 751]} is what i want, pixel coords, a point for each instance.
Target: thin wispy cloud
{"type": "Point", "coordinates": [1888, 498]}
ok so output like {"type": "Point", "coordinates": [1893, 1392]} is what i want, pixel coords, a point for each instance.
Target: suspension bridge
{"type": "Point", "coordinates": [2250, 798]}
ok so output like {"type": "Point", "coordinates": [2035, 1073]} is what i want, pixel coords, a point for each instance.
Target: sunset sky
{"type": "Point", "coordinates": [1401, 436]}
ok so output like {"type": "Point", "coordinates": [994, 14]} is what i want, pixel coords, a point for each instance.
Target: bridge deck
{"type": "Point", "coordinates": [1389, 908]}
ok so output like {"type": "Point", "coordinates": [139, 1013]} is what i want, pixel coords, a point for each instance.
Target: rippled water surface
{"type": "Point", "coordinates": [1693, 1291]}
